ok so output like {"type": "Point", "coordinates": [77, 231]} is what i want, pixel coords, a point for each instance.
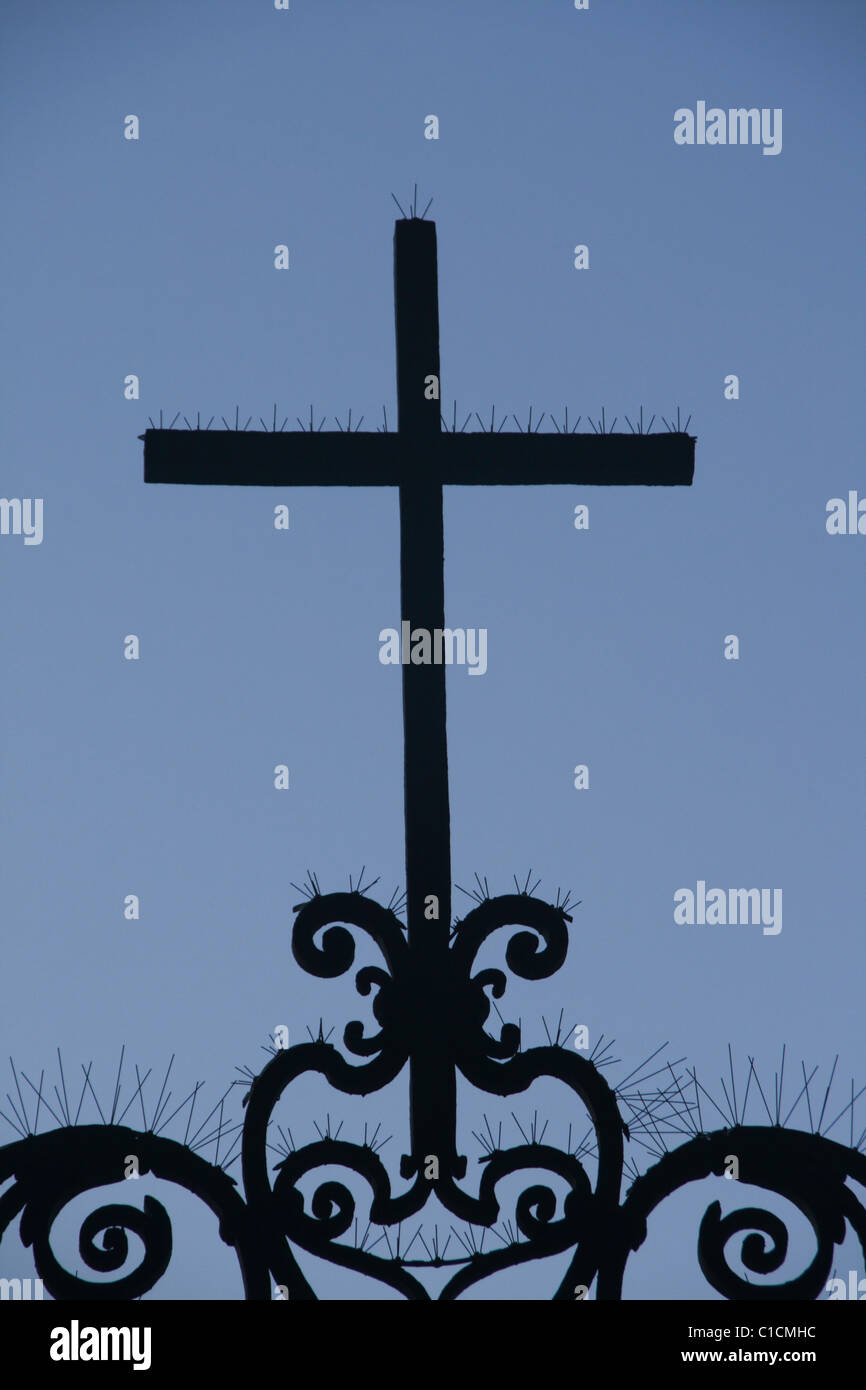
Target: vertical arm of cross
{"type": "Point", "coordinates": [422, 585]}
{"type": "Point", "coordinates": [432, 1080]}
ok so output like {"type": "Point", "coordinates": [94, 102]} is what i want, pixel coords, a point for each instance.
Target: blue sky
{"type": "Point", "coordinates": [260, 647]}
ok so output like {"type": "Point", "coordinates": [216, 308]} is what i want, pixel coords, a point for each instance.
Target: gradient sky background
{"type": "Point", "coordinates": [260, 647]}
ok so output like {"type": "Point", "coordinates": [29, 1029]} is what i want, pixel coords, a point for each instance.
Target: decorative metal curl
{"type": "Point", "coordinates": [522, 953]}
{"type": "Point", "coordinates": [52, 1169]}
{"type": "Point", "coordinates": [336, 954]}
{"type": "Point", "coordinates": [809, 1170]}
{"type": "Point", "coordinates": [273, 1218]}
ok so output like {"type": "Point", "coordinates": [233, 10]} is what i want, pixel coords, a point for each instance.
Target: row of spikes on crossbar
{"type": "Point", "coordinates": [563, 426]}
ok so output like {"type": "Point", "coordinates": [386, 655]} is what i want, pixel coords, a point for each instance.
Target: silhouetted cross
{"type": "Point", "coordinates": [419, 460]}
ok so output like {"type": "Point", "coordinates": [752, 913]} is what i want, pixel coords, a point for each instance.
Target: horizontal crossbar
{"type": "Point", "coordinates": [339, 459]}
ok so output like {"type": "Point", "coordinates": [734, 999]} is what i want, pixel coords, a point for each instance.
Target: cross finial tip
{"type": "Point", "coordinates": [412, 215]}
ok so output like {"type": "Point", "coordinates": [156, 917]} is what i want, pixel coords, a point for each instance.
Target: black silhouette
{"type": "Point", "coordinates": [419, 460]}
{"type": "Point", "coordinates": [430, 1008]}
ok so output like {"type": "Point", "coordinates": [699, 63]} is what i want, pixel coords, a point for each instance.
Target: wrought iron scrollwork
{"type": "Point", "coordinates": [50, 1170]}
{"type": "Point", "coordinates": [562, 1209]}
{"type": "Point", "coordinates": [807, 1170]}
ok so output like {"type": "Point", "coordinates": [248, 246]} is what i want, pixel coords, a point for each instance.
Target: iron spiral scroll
{"type": "Point", "coordinates": [567, 1213]}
